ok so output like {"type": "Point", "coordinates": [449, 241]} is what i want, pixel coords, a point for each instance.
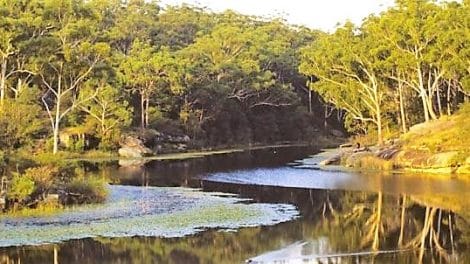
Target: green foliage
{"type": "Point", "coordinates": [107, 112]}
{"type": "Point", "coordinates": [22, 186]}
{"type": "Point", "coordinates": [91, 189]}
{"type": "Point", "coordinates": [20, 123]}
{"type": "Point", "coordinates": [395, 69]}
{"type": "Point", "coordinates": [96, 61]}
{"type": "Point", "coordinates": [222, 78]}
{"type": "Point", "coordinates": [47, 158]}
{"type": "Point", "coordinates": [43, 177]}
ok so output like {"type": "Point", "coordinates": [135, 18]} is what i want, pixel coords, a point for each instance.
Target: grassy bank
{"type": "Point", "coordinates": [439, 146]}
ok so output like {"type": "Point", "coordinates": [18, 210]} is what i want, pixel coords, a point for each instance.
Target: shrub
{"type": "Point", "coordinates": [87, 189]}
{"type": "Point", "coordinates": [43, 177]}
{"type": "Point", "coordinates": [22, 187]}
{"type": "Point", "coordinates": [19, 124]}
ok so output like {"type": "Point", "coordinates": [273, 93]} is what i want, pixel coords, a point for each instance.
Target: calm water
{"type": "Point", "coordinates": [344, 217]}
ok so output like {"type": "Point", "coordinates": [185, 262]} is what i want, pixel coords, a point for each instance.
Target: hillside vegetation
{"type": "Point", "coordinates": [449, 133]}
{"type": "Point", "coordinates": [81, 75]}
{"type": "Point", "coordinates": [438, 144]}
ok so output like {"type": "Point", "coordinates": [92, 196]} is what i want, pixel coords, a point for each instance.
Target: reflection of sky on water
{"type": "Point", "coordinates": [307, 174]}
{"type": "Point", "coordinates": [296, 252]}
{"type": "Point", "coordinates": [317, 251]}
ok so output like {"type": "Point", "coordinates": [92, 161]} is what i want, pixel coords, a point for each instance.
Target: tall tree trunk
{"type": "Point", "coordinates": [57, 120]}
{"type": "Point", "coordinates": [3, 75]}
{"type": "Point", "coordinates": [432, 113]}
{"type": "Point", "coordinates": [449, 87]}
{"type": "Point", "coordinates": [142, 111]}
{"type": "Point", "coordinates": [147, 106]}
{"type": "Point", "coordinates": [422, 93]}
{"type": "Point", "coordinates": [19, 87]}
{"type": "Point", "coordinates": [438, 98]}
{"type": "Point", "coordinates": [425, 97]}
{"type": "Point", "coordinates": [380, 139]}
{"type": "Point", "coordinates": [309, 100]}
{"type": "Point", "coordinates": [425, 107]}
{"type": "Point", "coordinates": [430, 96]}
{"type": "Point", "coordinates": [402, 108]}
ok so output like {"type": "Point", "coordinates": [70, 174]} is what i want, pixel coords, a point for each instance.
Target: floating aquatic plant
{"type": "Point", "coordinates": [151, 211]}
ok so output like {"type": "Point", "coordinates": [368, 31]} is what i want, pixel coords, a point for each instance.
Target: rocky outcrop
{"type": "Point", "coordinates": [148, 142]}
{"type": "Point", "coordinates": [333, 160]}
{"type": "Point", "coordinates": [442, 160]}
{"type": "Point", "coordinates": [132, 147]}
{"type": "Point", "coordinates": [388, 153]}
{"type": "Point", "coordinates": [161, 142]}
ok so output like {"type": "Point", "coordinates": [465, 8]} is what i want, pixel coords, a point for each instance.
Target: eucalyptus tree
{"type": "Point", "coordinates": [411, 29]}
{"type": "Point", "coordinates": [131, 20]}
{"type": "Point", "coordinates": [453, 22]}
{"type": "Point", "coordinates": [179, 26]}
{"type": "Point", "coordinates": [146, 71]}
{"type": "Point", "coordinates": [6, 48]}
{"type": "Point", "coordinates": [347, 65]}
{"type": "Point", "coordinates": [238, 61]}
{"type": "Point", "coordinates": [20, 27]}
{"type": "Point", "coordinates": [71, 53]}
{"type": "Point", "coordinates": [107, 110]}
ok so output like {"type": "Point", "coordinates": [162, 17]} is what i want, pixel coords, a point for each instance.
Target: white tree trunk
{"type": "Point", "coordinates": [55, 127]}
{"type": "Point", "coordinates": [3, 76]}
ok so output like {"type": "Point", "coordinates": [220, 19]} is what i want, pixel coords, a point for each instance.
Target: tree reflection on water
{"type": "Point", "coordinates": [408, 229]}
{"type": "Point", "coordinates": [405, 224]}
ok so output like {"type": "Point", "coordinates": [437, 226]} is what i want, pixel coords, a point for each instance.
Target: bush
{"type": "Point", "coordinates": [22, 186]}
{"type": "Point", "coordinates": [19, 124]}
{"type": "Point", "coordinates": [87, 189]}
{"type": "Point", "coordinates": [43, 177]}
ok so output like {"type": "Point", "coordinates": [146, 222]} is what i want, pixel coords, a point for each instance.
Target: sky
{"type": "Point", "coordinates": [317, 14]}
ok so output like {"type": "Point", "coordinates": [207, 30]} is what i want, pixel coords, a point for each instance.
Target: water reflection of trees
{"type": "Point", "coordinates": [390, 222]}
{"type": "Point", "coordinates": [428, 228]}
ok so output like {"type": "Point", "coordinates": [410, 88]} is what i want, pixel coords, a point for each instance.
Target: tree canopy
{"type": "Point", "coordinates": [109, 67]}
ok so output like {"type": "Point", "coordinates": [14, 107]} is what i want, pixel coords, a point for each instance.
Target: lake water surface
{"type": "Point", "coordinates": [264, 206]}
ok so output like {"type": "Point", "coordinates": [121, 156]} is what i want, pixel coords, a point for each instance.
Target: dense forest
{"type": "Point", "coordinates": [109, 67]}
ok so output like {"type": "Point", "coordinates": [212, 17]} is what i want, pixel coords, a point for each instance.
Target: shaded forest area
{"type": "Point", "coordinates": [95, 70]}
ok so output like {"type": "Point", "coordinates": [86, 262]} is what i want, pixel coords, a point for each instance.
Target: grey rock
{"type": "Point", "coordinates": [334, 160]}
{"type": "Point", "coordinates": [336, 133]}
{"type": "Point", "coordinates": [134, 152]}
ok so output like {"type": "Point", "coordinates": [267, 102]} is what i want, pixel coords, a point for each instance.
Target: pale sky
{"type": "Point", "coordinates": [318, 14]}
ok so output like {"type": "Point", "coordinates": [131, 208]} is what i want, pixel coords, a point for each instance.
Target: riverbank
{"type": "Point", "coordinates": [393, 159]}
{"type": "Point", "coordinates": [441, 146]}
{"type": "Point", "coordinates": [99, 156]}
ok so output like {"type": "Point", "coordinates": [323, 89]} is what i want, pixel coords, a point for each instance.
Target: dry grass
{"type": "Point", "coordinates": [449, 133]}
{"type": "Point", "coordinates": [373, 163]}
